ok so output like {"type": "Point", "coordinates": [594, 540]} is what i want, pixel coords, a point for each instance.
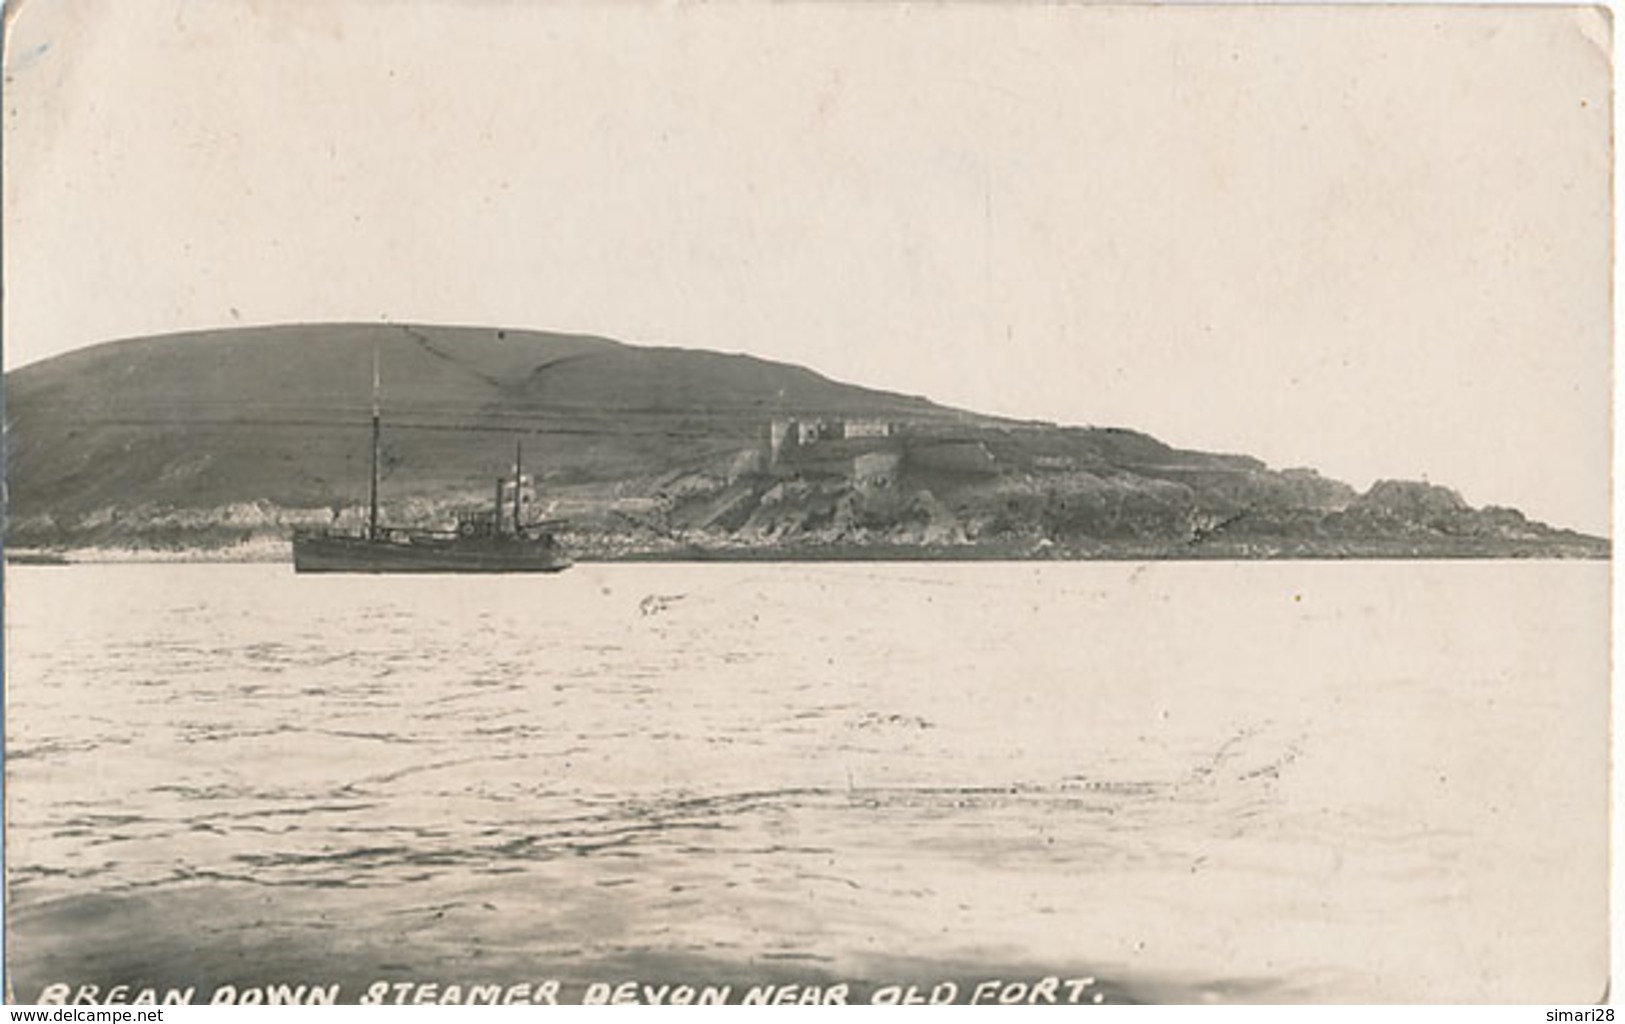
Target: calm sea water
{"type": "Point", "coordinates": [1264, 781]}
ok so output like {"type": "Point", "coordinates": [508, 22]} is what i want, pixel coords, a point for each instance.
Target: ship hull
{"type": "Point", "coordinates": [315, 553]}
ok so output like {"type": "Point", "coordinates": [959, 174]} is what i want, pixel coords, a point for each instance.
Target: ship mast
{"type": "Point", "coordinates": [372, 491]}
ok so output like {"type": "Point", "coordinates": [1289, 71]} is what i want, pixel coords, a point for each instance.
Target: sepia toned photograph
{"type": "Point", "coordinates": [806, 504]}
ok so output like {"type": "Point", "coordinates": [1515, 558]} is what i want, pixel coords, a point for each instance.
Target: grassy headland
{"type": "Point", "coordinates": [218, 444]}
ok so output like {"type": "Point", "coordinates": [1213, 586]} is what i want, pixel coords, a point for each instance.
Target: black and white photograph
{"type": "Point", "coordinates": [809, 503]}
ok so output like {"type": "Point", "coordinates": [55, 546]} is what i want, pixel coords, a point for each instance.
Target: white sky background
{"type": "Point", "coordinates": [1374, 241]}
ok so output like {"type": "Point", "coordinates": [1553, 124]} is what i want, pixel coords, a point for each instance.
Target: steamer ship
{"type": "Point", "coordinates": [491, 540]}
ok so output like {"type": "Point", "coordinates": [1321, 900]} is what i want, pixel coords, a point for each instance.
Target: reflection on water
{"type": "Point", "coordinates": [1187, 781]}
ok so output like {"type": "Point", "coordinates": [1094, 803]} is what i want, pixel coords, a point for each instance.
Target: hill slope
{"type": "Point", "coordinates": [219, 438]}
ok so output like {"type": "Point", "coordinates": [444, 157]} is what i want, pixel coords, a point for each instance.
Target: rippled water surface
{"type": "Point", "coordinates": [1322, 781]}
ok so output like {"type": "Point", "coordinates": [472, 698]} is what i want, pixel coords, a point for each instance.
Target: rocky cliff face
{"type": "Point", "coordinates": [1071, 512]}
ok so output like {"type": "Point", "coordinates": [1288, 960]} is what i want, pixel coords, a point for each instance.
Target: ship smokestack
{"type": "Point", "coordinates": [518, 484]}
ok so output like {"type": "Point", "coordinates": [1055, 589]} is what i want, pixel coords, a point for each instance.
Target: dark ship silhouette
{"type": "Point", "coordinates": [484, 541]}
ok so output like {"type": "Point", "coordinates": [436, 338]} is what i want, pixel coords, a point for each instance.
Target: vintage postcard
{"type": "Point", "coordinates": [808, 503]}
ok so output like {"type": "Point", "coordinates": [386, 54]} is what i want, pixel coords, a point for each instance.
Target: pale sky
{"type": "Point", "coordinates": [1374, 241]}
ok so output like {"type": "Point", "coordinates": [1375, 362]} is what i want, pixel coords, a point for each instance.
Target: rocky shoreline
{"type": "Point", "coordinates": [602, 552]}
